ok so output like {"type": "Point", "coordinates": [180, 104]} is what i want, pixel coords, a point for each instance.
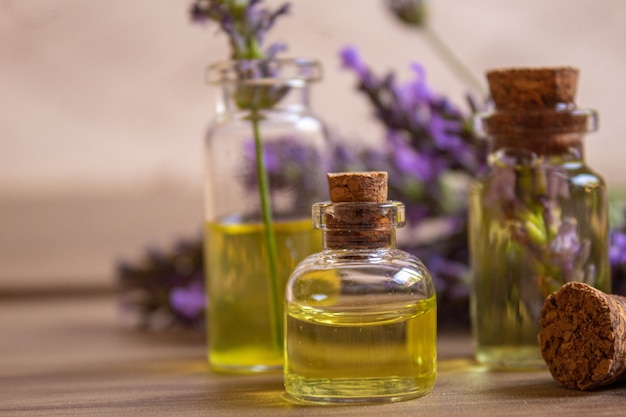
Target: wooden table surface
{"type": "Point", "coordinates": [70, 356]}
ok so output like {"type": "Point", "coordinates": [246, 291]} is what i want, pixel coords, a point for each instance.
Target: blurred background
{"type": "Point", "coordinates": [103, 108]}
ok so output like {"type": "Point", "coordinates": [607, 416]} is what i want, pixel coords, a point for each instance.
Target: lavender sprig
{"type": "Point", "coordinates": [430, 152]}
{"type": "Point", "coordinates": [413, 13]}
{"type": "Point", "coordinates": [525, 195]}
{"type": "Point", "coordinates": [427, 136]}
{"type": "Point", "coordinates": [246, 23]}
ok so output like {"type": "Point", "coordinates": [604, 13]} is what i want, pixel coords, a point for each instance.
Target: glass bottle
{"type": "Point", "coordinates": [252, 244]}
{"type": "Point", "coordinates": [538, 218]}
{"type": "Point", "coordinates": [361, 314]}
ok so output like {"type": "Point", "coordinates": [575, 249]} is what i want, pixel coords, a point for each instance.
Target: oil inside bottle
{"type": "Point", "coordinates": [240, 328]}
{"type": "Point", "coordinates": [362, 354]}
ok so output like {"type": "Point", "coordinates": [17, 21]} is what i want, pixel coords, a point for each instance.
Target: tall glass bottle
{"type": "Point", "coordinates": [361, 314]}
{"type": "Point", "coordinates": [538, 218]}
{"type": "Point", "coordinates": [258, 215]}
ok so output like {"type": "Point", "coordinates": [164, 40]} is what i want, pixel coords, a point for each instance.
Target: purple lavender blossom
{"type": "Point", "coordinates": [617, 256]}
{"type": "Point", "coordinates": [409, 161]}
{"type": "Point", "coordinates": [151, 287]}
{"type": "Point", "coordinates": [427, 139]}
{"type": "Point", "coordinates": [502, 188]}
{"type": "Point", "coordinates": [291, 167]}
{"type": "Point", "coordinates": [566, 243]}
{"type": "Point", "coordinates": [524, 194]}
{"type": "Point", "coordinates": [426, 135]}
{"type": "Point", "coordinates": [189, 301]}
{"type": "Point", "coordinates": [418, 89]}
{"type": "Point", "coordinates": [617, 252]}
{"type": "Point", "coordinates": [351, 59]}
{"type": "Point", "coordinates": [245, 23]}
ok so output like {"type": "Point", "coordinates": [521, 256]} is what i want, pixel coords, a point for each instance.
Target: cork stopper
{"type": "Point", "coordinates": [535, 109]}
{"type": "Point", "coordinates": [533, 88]}
{"type": "Point", "coordinates": [359, 215]}
{"type": "Point", "coordinates": [366, 187]}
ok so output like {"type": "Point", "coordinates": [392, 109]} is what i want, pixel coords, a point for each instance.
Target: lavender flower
{"type": "Point", "coordinates": [525, 194]}
{"type": "Point", "coordinates": [244, 21]}
{"type": "Point", "coordinates": [163, 289]}
{"type": "Point", "coordinates": [189, 301]}
{"type": "Point", "coordinates": [427, 136]}
{"type": "Point", "coordinates": [617, 252]}
{"type": "Point", "coordinates": [429, 149]}
{"type": "Point", "coordinates": [427, 139]}
{"type": "Point", "coordinates": [617, 257]}
{"type": "Point", "coordinates": [411, 12]}
{"type": "Point", "coordinates": [291, 167]}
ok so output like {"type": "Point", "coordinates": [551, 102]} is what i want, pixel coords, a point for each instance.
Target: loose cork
{"type": "Point", "coordinates": [583, 336]}
{"type": "Point", "coordinates": [366, 187]}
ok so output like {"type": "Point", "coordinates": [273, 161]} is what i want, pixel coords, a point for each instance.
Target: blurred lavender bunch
{"type": "Point", "coordinates": [164, 289]}
{"type": "Point", "coordinates": [429, 150]}
{"type": "Point", "coordinates": [430, 153]}
{"type": "Point", "coordinates": [292, 168]}
{"type": "Point", "coordinates": [617, 256]}
{"type": "Point", "coordinates": [414, 15]}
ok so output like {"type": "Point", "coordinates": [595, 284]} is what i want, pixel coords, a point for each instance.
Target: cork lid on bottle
{"type": "Point", "coordinates": [358, 187]}
{"type": "Point", "coordinates": [535, 100]}
{"type": "Point", "coordinates": [359, 214]}
{"type": "Point", "coordinates": [529, 89]}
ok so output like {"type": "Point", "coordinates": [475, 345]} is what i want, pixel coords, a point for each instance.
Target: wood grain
{"type": "Point", "coordinates": [71, 356]}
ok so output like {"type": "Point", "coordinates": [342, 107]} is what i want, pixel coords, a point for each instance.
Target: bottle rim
{"type": "Point", "coordinates": [293, 72]}
{"type": "Point", "coordinates": [548, 121]}
{"type": "Point", "coordinates": [358, 215]}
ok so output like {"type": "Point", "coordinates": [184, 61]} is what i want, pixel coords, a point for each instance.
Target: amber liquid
{"type": "Point", "coordinates": [368, 354]}
{"type": "Point", "coordinates": [241, 326]}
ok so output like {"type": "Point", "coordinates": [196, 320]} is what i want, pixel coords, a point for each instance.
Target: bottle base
{"type": "Point", "coordinates": [511, 357]}
{"type": "Point", "coordinates": [245, 369]}
{"type": "Point", "coordinates": [357, 390]}
{"type": "Point", "coordinates": [235, 363]}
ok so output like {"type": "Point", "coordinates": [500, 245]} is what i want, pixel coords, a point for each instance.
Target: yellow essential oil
{"type": "Point", "coordinates": [365, 354]}
{"type": "Point", "coordinates": [360, 314]}
{"type": "Point", "coordinates": [240, 324]}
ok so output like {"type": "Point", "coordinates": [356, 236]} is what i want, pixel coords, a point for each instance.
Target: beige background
{"type": "Point", "coordinates": [103, 107]}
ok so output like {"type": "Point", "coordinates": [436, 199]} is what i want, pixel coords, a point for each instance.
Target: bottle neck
{"type": "Point", "coordinates": [255, 86]}
{"type": "Point", "coordinates": [359, 239]}
{"type": "Point", "coordinates": [562, 147]}
{"type": "Point", "coordinates": [235, 98]}
{"type": "Point", "coordinates": [551, 133]}
{"type": "Point", "coordinates": [358, 225]}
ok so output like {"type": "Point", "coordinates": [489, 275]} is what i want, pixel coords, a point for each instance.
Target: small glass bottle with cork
{"type": "Point", "coordinates": [538, 218]}
{"type": "Point", "coordinates": [361, 314]}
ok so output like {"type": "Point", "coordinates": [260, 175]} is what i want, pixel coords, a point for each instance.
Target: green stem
{"type": "Point", "coordinates": [452, 60]}
{"type": "Point", "coordinates": [268, 229]}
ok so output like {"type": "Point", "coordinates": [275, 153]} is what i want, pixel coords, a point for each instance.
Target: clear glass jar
{"type": "Point", "coordinates": [538, 218]}
{"type": "Point", "coordinates": [262, 109]}
{"type": "Point", "coordinates": [361, 314]}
